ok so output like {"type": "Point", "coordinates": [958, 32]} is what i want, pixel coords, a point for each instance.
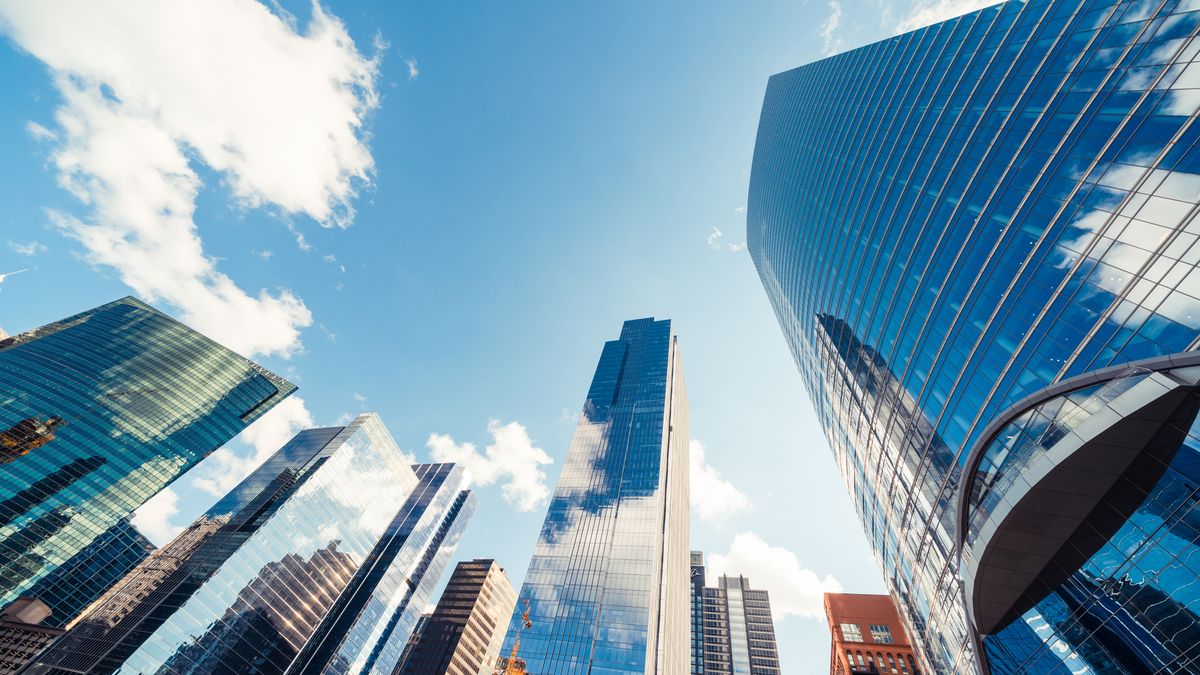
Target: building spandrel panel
{"type": "Point", "coordinates": [100, 412]}
{"type": "Point", "coordinates": [954, 219]}
{"type": "Point", "coordinates": [608, 582]}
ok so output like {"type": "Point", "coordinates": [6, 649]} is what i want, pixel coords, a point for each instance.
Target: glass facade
{"type": "Point", "coordinates": [369, 626]}
{"type": "Point", "coordinates": [953, 219]}
{"type": "Point", "coordinates": [99, 412]}
{"type": "Point", "coordinates": [245, 586]}
{"type": "Point", "coordinates": [608, 582]}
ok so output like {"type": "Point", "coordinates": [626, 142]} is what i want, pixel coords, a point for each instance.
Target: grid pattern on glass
{"type": "Point", "coordinates": [607, 583]}
{"type": "Point", "coordinates": [243, 587]}
{"type": "Point", "coordinates": [100, 412]}
{"type": "Point", "coordinates": [881, 634]}
{"type": "Point", "coordinates": [1134, 605]}
{"type": "Point", "coordinates": [977, 209]}
{"type": "Point", "coordinates": [368, 627]}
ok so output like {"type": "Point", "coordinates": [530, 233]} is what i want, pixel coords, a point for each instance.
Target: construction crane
{"type": "Point", "coordinates": [515, 665]}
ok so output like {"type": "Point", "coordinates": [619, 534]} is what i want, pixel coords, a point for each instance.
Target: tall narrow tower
{"type": "Point", "coordinates": [608, 582]}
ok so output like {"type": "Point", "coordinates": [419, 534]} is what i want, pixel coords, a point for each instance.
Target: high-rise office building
{"type": "Point", "coordinates": [101, 411]}
{"type": "Point", "coordinates": [369, 626]}
{"type": "Point", "coordinates": [866, 636]}
{"type": "Point", "coordinates": [302, 544]}
{"type": "Point", "coordinates": [733, 632]}
{"type": "Point", "coordinates": [607, 584]}
{"type": "Point", "coordinates": [464, 633]}
{"type": "Point", "coordinates": [967, 232]}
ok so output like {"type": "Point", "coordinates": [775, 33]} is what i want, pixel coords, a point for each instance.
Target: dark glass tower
{"type": "Point", "coordinates": [608, 582]}
{"type": "Point", "coordinates": [967, 233]}
{"type": "Point", "coordinates": [308, 555]}
{"type": "Point", "coordinates": [101, 411]}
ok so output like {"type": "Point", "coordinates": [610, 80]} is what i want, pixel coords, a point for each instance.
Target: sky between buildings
{"type": "Point", "coordinates": [440, 211]}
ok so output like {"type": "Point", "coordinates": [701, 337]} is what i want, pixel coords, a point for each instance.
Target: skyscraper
{"type": "Point", "coordinates": [966, 233]}
{"type": "Point", "coordinates": [607, 584]}
{"type": "Point", "coordinates": [314, 532]}
{"type": "Point", "coordinates": [732, 628]}
{"type": "Point", "coordinates": [464, 633]}
{"type": "Point", "coordinates": [369, 626]}
{"type": "Point", "coordinates": [866, 636]}
{"type": "Point", "coordinates": [101, 411]}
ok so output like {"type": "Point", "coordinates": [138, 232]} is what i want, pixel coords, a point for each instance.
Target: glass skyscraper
{"type": "Point", "coordinates": [308, 554]}
{"type": "Point", "coordinates": [98, 412]}
{"type": "Point", "coordinates": [608, 583]}
{"type": "Point", "coordinates": [980, 240]}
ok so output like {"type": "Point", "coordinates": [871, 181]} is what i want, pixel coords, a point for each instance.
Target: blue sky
{"type": "Point", "coordinates": [440, 212]}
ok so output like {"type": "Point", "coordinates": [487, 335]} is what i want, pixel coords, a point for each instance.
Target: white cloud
{"type": "Point", "coordinates": [39, 132]}
{"type": "Point", "coordinates": [265, 254]}
{"type": "Point", "coordinates": [153, 518]}
{"type": "Point", "coordinates": [928, 12]}
{"type": "Point", "coordinates": [511, 459]}
{"type": "Point", "coordinates": [713, 497]}
{"type": "Point", "coordinates": [714, 238]}
{"type": "Point", "coordinates": [148, 88]}
{"type": "Point", "coordinates": [740, 209]}
{"type": "Point", "coordinates": [737, 247]}
{"type": "Point", "coordinates": [360, 398]}
{"type": "Point", "coordinates": [29, 248]}
{"type": "Point", "coordinates": [224, 469]}
{"type": "Point", "coordinates": [794, 589]}
{"type": "Point", "coordinates": [413, 70]}
{"type": "Point", "coordinates": [831, 42]}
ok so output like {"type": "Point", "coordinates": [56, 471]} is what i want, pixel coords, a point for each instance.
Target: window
{"type": "Point", "coordinates": [851, 632]}
{"type": "Point", "coordinates": [881, 634]}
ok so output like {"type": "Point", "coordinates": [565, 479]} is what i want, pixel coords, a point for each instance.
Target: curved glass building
{"type": "Point", "coordinates": [98, 413]}
{"type": "Point", "coordinates": [980, 240]}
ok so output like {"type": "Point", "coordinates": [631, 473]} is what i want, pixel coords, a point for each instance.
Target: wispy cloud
{"type": "Point", "coordinates": [714, 238]}
{"type": "Point", "coordinates": [511, 460]}
{"type": "Point", "coordinates": [413, 71]}
{"type": "Point", "coordinates": [795, 590]}
{"type": "Point", "coordinates": [148, 88]}
{"type": "Point", "coordinates": [264, 254]}
{"type": "Point", "coordinates": [929, 12]}
{"type": "Point", "coordinates": [29, 248]}
{"type": "Point", "coordinates": [831, 42]}
{"type": "Point", "coordinates": [713, 498]}
{"type": "Point", "coordinates": [360, 398]}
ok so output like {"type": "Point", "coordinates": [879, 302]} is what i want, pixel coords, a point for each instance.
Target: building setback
{"type": "Point", "coordinates": [867, 636]}
{"type": "Point", "coordinates": [101, 411]}
{"type": "Point", "coordinates": [732, 628]}
{"type": "Point", "coordinates": [979, 239]}
{"type": "Point", "coordinates": [247, 586]}
{"type": "Point", "coordinates": [607, 584]}
{"type": "Point", "coordinates": [465, 631]}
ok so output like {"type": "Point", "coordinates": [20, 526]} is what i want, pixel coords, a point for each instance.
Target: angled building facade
{"type": "Point", "coordinates": [312, 532]}
{"type": "Point", "coordinates": [968, 234]}
{"type": "Point", "coordinates": [101, 411]}
{"type": "Point", "coordinates": [608, 582]}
